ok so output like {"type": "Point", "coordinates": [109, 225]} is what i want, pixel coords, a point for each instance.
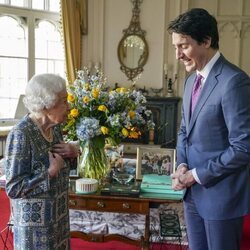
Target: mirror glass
{"type": "Point", "coordinates": [132, 51]}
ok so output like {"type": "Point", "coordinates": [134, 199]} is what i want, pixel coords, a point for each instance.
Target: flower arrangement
{"type": "Point", "coordinates": [97, 111]}
{"type": "Point", "coordinates": [99, 114]}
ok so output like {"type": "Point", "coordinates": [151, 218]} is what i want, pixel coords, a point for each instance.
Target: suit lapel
{"type": "Point", "coordinates": [207, 90]}
{"type": "Point", "coordinates": [187, 99]}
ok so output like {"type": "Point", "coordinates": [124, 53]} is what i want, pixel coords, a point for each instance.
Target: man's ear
{"type": "Point", "coordinates": [207, 42]}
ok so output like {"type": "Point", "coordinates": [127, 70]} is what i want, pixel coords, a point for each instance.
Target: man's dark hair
{"type": "Point", "coordinates": [198, 24]}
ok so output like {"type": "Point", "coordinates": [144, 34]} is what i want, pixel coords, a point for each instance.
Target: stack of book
{"type": "Point", "coordinates": [159, 186]}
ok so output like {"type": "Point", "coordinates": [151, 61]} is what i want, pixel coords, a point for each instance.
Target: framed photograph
{"type": "Point", "coordinates": [155, 161]}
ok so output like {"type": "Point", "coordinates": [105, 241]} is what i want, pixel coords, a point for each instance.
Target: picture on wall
{"type": "Point", "coordinates": [155, 161]}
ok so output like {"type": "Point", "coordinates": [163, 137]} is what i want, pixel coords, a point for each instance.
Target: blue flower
{"type": "Point", "coordinates": [87, 128]}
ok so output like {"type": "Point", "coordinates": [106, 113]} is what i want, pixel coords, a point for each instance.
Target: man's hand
{"type": "Point", "coordinates": [187, 179]}
{"type": "Point", "coordinates": [176, 184]}
{"type": "Point", "coordinates": [182, 178]}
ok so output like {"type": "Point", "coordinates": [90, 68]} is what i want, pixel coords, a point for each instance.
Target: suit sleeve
{"type": "Point", "coordinates": [182, 138]}
{"type": "Point", "coordinates": [236, 111]}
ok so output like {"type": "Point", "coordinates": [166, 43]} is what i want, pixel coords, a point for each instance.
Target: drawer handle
{"type": "Point", "coordinates": [72, 202]}
{"type": "Point", "coordinates": [125, 205]}
{"type": "Point", "coordinates": [100, 204]}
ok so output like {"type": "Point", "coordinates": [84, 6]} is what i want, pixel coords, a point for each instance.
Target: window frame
{"type": "Point", "coordinates": [31, 16]}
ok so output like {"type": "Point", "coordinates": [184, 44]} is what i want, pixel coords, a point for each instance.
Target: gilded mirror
{"type": "Point", "coordinates": [133, 48]}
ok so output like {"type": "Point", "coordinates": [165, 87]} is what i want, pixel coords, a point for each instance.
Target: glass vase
{"type": "Point", "coordinates": [93, 160]}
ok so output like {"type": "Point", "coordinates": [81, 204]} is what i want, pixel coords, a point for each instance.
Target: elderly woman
{"type": "Point", "coordinates": [37, 167]}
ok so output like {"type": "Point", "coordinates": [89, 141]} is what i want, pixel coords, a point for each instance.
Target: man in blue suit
{"type": "Point", "coordinates": [213, 149]}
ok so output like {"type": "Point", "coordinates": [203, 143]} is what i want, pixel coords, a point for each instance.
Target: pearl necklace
{"type": "Point", "coordinates": [47, 136]}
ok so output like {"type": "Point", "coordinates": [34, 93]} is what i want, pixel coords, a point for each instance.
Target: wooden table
{"type": "Point", "coordinates": [118, 204]}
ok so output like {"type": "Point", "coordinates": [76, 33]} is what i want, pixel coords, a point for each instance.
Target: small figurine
{"type": "Point", "coordinates": [170, 83]}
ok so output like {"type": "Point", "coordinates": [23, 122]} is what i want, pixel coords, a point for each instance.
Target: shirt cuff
{"type": "Point", "coordinates": [194, 173]}
{"type": "Point", "coordinates": [185, 164]}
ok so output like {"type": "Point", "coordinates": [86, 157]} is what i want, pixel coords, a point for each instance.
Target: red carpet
{"type": "Point", "coordinates": [112, 245]}
{"type": "Point", "coordinates": [245, 243]}
{"type": "Point", "coordinates": [77, 244]}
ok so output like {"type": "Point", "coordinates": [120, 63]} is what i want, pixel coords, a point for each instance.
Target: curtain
{"type": "Point", "coordinates": [74, 20]}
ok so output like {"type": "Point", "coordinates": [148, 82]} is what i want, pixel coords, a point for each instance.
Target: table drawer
{"type": "Point", "coordinates": [115, 205]}
{"type": "Point", "coordinates": [77, 203]}
{"type": "Point", "coordinates": [109, 205]}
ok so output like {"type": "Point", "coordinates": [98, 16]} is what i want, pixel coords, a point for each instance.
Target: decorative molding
{"type": "Point", "coordinates": [245, 29]}
{"type": "Point", "coordinates": [223, 26]}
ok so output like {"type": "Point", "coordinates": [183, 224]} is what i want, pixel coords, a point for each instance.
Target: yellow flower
{"type": "Point", "coordinates": [131, 114]}
{"type": "Point", "coordinates": [74, 112]}
{"type": "Point", "coordinates": [104, 130]}
{"type": "Point", "coordinates": [102, 108]}
{"type": "Point", "coordinates": [95, 93]}
{"type": "Point", "coordinates": [70, 98]}
{"type": "Point", "coordinates": [121, 90]}
{"type": "Point", "coordinates": [86, 99]}
{"type": "Point", "coordinates": [125, 132]}
{"type": "Point", "coordinates": [134, 135]}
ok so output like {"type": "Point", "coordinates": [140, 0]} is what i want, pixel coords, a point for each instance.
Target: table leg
{"type": "Point", "coordinates": [147, 233]}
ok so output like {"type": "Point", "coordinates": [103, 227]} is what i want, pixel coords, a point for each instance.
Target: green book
{"type": "Point", "coordinates": [178, 196]}
{"type": "Point", "coordinates": [161, 185]}
{"type": "Point", "coordinates": [156, 181]}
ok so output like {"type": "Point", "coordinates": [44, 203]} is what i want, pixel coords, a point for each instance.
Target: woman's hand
{"type": "Point", "coordinates": [66, 150]}
{"type": "Point", "coordinates": [56, 164]}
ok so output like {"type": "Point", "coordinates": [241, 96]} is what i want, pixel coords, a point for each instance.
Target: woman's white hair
{"type": "Point", "coordinates": [42, 92]}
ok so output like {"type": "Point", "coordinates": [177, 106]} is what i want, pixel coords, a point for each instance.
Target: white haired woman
{"type": "Point", "coordinates": [37, 167]}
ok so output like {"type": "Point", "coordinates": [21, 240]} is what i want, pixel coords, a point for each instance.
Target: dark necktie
{"type": "Point", "coordinates": [196, 91]}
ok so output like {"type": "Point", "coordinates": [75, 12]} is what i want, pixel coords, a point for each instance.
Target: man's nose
{"type": "Point", "coordinates": [178, 54]}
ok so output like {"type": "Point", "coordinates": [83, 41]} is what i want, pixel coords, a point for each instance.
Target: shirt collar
{"type": "Point", "coordinates": [206, 70]}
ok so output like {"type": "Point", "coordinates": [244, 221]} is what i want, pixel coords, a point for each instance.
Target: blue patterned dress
{"type": "Point", "coordinates": [40, 204]}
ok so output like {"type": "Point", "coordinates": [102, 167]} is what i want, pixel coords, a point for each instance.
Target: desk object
{"type": "Point", "coordinates": [116, 189]}
{"type": "Point", "coordinates": [159, 186]}
{"type": "Point", "coordinates": [170, 226]}
{"type": "Point", "coordinates": [122, 184]}
{"type": "Point", "coordinates": [86, 185]}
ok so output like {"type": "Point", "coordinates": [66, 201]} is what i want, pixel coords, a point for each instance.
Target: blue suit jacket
{"type": "Point", "coordinates": [216, 141]}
